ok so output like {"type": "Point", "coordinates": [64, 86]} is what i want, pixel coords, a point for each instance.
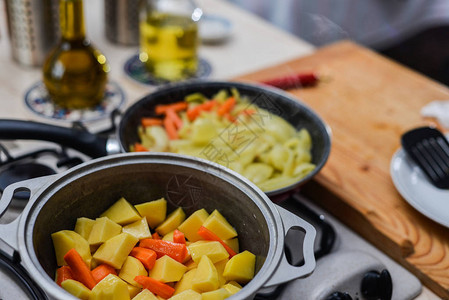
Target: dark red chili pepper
{"type": "Point", "coordinates": [293, 81]}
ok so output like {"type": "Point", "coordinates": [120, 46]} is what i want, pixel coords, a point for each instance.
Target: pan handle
{"type": "Point", "coordinates": [285, 271]}
{"type": "Point", "coordinates": [78, 139]}
{"type": "Point", "coordinates": [8, 232]}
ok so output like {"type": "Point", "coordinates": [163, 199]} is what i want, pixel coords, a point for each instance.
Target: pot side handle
{"type": "Point", "coordinates": [285, 271]}
{"type": "Point", "coordinates": [8, 232]}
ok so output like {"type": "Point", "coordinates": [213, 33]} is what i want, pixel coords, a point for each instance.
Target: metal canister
{"type": "Point", "coordinates": [33, 28]}
{"type": "Point", "coordinates": [122, 21]}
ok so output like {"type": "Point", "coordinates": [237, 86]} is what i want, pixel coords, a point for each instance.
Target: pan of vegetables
{"type": "Point", "coordinates": [147, 225]}
{"type": "Point", "coordinates": [261, 132]}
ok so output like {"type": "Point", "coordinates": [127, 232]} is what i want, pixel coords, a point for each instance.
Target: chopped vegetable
{"type": "Point", "coordinates": [102, 271]}
{"type": "Point", "coordinates": [146, 256]}
{"type": "Point", "coordinates": [177, 106]}
{"type": "Point", "coordinates": [138, 147]}
{"type": "Point", "coordinates": [151, 122]}
{"type": "Point", "coordinates": [210, 236]}
{"type": "Point", "coordinates": [171, 114]}
{"type": "Point", "coordinates": [156, 236]}
{"type": "Point", "coordinates": [79, 268]}
{"type": "Point", "coordinates": [176, 251]}
{"type": "Point", "coordinates": [155, 286]}
{"type": "Point", "coordinates": [194, 112]}
{"type": "Point", "coordinates": [226, 107]}
{"type": "Point", "coordinates": [63, 273]}
{"type": "Point", "coordinates": [170, 127]}
{"type": "Point", "coordinates": [178, 237]}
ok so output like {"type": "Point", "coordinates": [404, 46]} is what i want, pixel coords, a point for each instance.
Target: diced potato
{"type": "Point", "coordinates": [168, 236]}
{"type": "Point", "coordinates": [76, 288]}
{"type": "Point", "coordinates": [191, 264]}
{"type": "Point", "coordinates": [133, 290]}
{"type": "Point", "coordinates": [220, 266]}
{"type": "Point", "coordinates": [206, 278]}
{"type": "Point", "coordinates": [102, 230]}
{"type": "Point", "coordinates": [172, 222]}
{"type": "Point", "coordinates": [187, 295]}
{"type": "Point", "coordinates": [166, 269]}
{"type": "Point", "coordinates": [115, 250]}
{"type": "Point", "coordinates": [83, 226]}
{"type": "Point", "coordinates": [139, 229]}
{"type": "Point", "coordinates": [219, 294]}
{"type": "Point", "coordinates": [131, 268]}
{"type": "Point", "coordinates": [145, 295]}
{"type": "Point", "coordinates": [191, 225]}
{"type": "Point", "coordinates": [110, 288]}
{"type": "Point", "coordinates": [185, 283]}
{"type": "Point", "coordinates": [232, 288]}
{"type": "Point", "coordinates": [64, 240]}
{"type": "Point", "coordinates": [233, 243]}
{"type": "Point", "coordinates": [220, 226]}
{"type": "Point", "coordinates": [214, 250]}
{"type": "Point", "coordinates": [155, 211]}
{"type": "Point", "coordinates": [122, 212]}
{"type": "Point", "coordinates": [240, 267]}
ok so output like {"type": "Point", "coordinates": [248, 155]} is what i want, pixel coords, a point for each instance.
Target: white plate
{"type": "Point", "coordinates": [417, 190]}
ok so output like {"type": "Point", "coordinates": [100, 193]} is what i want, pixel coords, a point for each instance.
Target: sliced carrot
{"type": "Point", "coordinates": [151, 122]}
{"type": "Point", "coordinates": [63, 273]}
{"type": "Point", "coordinates": [146, 256]}
{"type": "Point", "coordinates": [170, 113]}
{"type": "Point", "coordinates": [177, 106]}
{"type": "Point", "coordinates": [229, 117]}
{"type": "Point", "coordinates": [170, 128]}
{"type": "Point", "coordinates": [179, 237]}
{"type": "Point", "coordinates": [156, 236]}
{"type": "Point", "coordinates": [226, 107]}
{"type": "Point", "coordinates": [248, 112]}
{"type": "Point", "coordinates": [210, 236]}
{"type": "Point", "coordinates": [174, 250]}
{"type": "Point", "coordinates": [138, 147]}
{"type": "Point", "coordinates": [79, 268]}
{"type": "Point", "coordinates": [194, 112]}
{"type": "Point", "coordinates": [102, 271]}
{"type": "Point", "coordinates": [155, 286]}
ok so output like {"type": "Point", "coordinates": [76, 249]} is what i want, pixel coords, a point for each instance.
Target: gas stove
{"type": "Point", "coordinates": [348, 267]}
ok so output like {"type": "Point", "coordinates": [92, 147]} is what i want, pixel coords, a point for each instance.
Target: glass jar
{"type": "Point", "coordinates": [169, 38]}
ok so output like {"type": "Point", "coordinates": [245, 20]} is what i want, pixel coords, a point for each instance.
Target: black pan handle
{"type": "Point", "coordinates": [78, 139]}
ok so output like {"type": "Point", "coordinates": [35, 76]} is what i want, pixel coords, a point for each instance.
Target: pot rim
{"type": "Point", "coordinates": [41, 197]}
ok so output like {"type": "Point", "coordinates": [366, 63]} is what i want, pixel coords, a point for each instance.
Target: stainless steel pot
{"type": "Point", "coordinates": [88, 189]}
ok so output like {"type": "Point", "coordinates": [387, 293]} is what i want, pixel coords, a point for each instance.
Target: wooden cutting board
{"type": "Point", "coordinates": [369, 101]}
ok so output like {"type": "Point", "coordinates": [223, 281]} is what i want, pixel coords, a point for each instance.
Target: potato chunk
{"type": "Point", "coordinates": [145, 295]}
{"type": "Point", "coordinates": [155, 211]}
{"type": "Point", "coordinates": [83, 226]}
{"type": "Point", "coordinates": [240, 267]}
{"type": "Point", "coordinates": [220, 226]}
{"type": "Point", "coordinates": [64, 240]}
{"type": "Point", "coordinates": [187, 295]}
{"type": "Point", "coordinates": [122, 212]}
{"type": "Point", "coordinates": [111, 288]}
{"type": "Point", "coordinates": [115, 250]}
{"type": "Point", "coordinates": [166, 269]}
{"type": "Point", "coordinates": [76, 288]}
{"type": "Point", "coordinates": [131, 268]}
{"type": "Point", "coordinates": [172, 222]}
{"type": "Point", "coordinates": [206, 278]}
{"type": "Point", "coordinates": [214, 250]}
{"type": "Point", "coordinates": [191, 225]}
{"type": "Point", "coordinates": [232, 287]}
{"type": "Point", "coordinates": [139, 229]}
{"type": "Point", "coordinates": [219, 294]}
{"type": "Point", "coordinates": [185, 283]}
{"type": "Point", "coordinates": [102, 230]}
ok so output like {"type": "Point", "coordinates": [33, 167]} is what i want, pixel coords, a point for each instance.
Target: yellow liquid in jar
{"type": "Point", "coordinates": [169, 46]}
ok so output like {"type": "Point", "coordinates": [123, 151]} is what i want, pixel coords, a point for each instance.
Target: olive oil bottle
{"type": "Point", "coordinates": [75, 73]}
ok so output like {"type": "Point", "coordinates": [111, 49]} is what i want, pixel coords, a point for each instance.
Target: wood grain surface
{"type": "Point", "coordinates": [369, 101]}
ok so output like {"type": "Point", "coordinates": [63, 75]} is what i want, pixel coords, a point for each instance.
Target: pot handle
{"type": "Point", "coordinates": [285, 271]}
{"type": "Point", "coordinates": [78, 139]}
{"type": "Point", "coordinates": [8, 232]}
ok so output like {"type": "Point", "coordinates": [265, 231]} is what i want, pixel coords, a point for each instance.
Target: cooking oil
{"type": "Point", "coordinates": [169, 45]}
{"type": "Point", "coordinates": [75, 73]}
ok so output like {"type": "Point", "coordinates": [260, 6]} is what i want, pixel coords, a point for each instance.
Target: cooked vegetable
{"type": "Point", "coordinates": [64, 240]}
{"type": "Point", "coordinates": [241, 267]}
{"type": "Point", "coordinates": [146, 256]}
{"type": "Point", "coordinates": [166, 269]}
{"type": "Point", "coordinates": [80, 270]}
{"type": "Point", "coordinates": [191, 225]}
{"type": "Point", "coordinates": [63, 273]}
{"type": "Point", "coordinates": [102, 271]}
{"type": "Point", "coordinates": [210, 236]}
{"type": "Point", "coordinates": [155, 286]}
{"type": "Point", "coordinates": [122, 212]}
{"type": "Point", "coordinates": [214, 250]}
{"type": "Point", "coordinates": [138, 229]}
{"type": "Point", "coordinates": [161, 247]}
{"type": "Point", "coordinates": [155, 211]}
{"type": "Point", "coordinates": [178, 237]}
{"type": "Point", "coordinates": [206, 277]}
{"type": "Point", "coordinates": [102, 230]}
{"type": "Point", "coordinates": [76, 288]}
{"type": "Point", "coordinates": [111, 288]}
{"type": "Point", "coordinates": [115, 250]}
{"type": "Point", "coordinates": [172, 222]}
{"type": "Point", "coordinates": [131, 268]}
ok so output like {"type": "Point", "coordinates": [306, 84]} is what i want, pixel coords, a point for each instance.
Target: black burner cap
{"type": "Point", "coordinates": [20, 172]}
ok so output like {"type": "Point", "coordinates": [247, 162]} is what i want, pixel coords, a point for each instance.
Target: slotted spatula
{"type": "Point", "coordinates": [429, 149]}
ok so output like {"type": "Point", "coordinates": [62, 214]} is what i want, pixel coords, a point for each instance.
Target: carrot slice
{"type": "Point", "coordinates": [156, 236]}
{"type": "Point", "coordinates": [150, 122]}
{"type": "Point", "coordinates": [174, 117]}
{"type": "Point", "coordinates": [174, 250]}
{"type": "Point", "coordinates": [155, 286]}
{"type": "Point", "coordinates": [79, 268]}
{"type": "Point", "coordinates": [146, 256]}
{"type": "Point", "coordinates": [226, 107]}
{"type": "Point", "coordinates": [63, 273]}
{"type": "Point", "coordinates": [102, 271]}
{"type": "Point", "coordinates": [210, 236]}
{"type": "Point", "coordinates": [194, 112]}
{"type": "Point", "coordinates": [170, 128]}
{"type": "Point", "coordinates": [177, 106]}
{"type": "Point", "coordinates": [138, 147]}
{"type": "Point", "coordinates": [179, 237]}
